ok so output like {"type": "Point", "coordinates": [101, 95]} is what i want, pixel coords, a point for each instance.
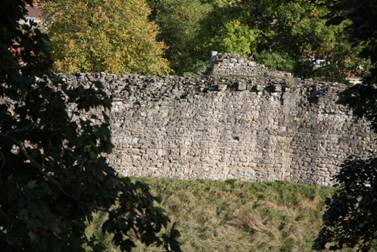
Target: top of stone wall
{"type": "Point", "coordinates": [229, 65]}
{"type": "Point", "coordinates": [225, 67]}
{"type": "Point", "coordinates": [227, 73]}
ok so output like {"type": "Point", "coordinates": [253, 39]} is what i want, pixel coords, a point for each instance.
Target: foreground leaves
{"type": "Point", "coordinates": [53, 142]}
{"type": "Point", "coordinates": [350, 219]}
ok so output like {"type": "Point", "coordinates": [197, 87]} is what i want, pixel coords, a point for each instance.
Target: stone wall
{"type": "Point", "coordinates": [240, 122]}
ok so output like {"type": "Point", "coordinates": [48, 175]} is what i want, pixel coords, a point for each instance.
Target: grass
{"type": "Point", "coordinates": [238, 216]}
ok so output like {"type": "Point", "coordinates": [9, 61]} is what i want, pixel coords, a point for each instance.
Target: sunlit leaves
{"type": "Point", "coordinates": [104, 36]}
{"type": "Point", "coordinates": [237, 38]}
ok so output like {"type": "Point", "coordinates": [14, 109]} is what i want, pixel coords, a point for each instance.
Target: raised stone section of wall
{"type": "Point", "coordinates": [240, 122]}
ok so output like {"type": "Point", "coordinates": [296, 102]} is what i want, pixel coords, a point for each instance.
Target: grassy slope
{"type": "Point", "coordinates": [239, 216]}
{"type": "Point", "coordinates": [243, 216]}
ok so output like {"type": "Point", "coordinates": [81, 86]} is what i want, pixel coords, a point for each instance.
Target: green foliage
{"type": "Point", "coordinates": [346, 62]}
{"type": "Point", "coordinates": [104, 36]}
{"type": "Point", "coordinates": [298, 30]}
{"type": "Point", "coordinates": [237, 38]}
{"type": "Point", "coordinates": [180, 22]}
{"type": "Point", "coordinates": [241, 216]}
{"type": "Point", "coordinates": [362, 27]}
{"type": "Point", "coordinates": [287, 35]}
{"type": "Point", "coordinates": [200, 67]}
{"type": "Point", "coordinates": [53, 173]}
{"type": "Point", "coordinates": [277, 61]}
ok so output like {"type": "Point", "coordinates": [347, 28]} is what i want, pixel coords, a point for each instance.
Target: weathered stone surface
{"type": "Point", "coordinates": [265, 125]}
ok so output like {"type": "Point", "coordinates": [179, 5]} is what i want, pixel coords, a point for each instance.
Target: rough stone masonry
{"type": "Point", "coordinates": [241, 121]}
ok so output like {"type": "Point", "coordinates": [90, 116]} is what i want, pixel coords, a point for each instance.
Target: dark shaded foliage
{"type": "Point", "coordinates": [53, 171]}
{"type": "Point", "coordinates": [362, 99]}
{"type": "Point", "coordinates": [350, 219]}
{"type": "Point", "coordinates": [363, 14]}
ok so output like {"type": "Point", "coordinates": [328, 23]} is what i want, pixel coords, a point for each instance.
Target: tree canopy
{"type": "Point", "coordinates": [284, 35]}
{"type": "Point", "coordinates": [104, 36]}
{"type": "Point", "coordinates": [115, 36]}
{"type": "Point", "coordinates": [53, 171]}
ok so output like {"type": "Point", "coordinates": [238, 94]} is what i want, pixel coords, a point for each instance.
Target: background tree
{"type": "Point", "coordinates": [226, 29]}
{"type": "Point", "coordinates": [53, 174]}
{"type": "Point", "coordinates": [293, 36]}
{"type": "Point", "coordinates": [284, 35]}
{"type": "Point", "coordinates": [362, 29]}
{"type": "Point", "coordinates": [350, 219]}
{"type": "Point", "coordinates": [180, 22]}
{"type": "Point", "coordinates": [190, 30]}
{"type": "Point", "coordinates": [104, 36]}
